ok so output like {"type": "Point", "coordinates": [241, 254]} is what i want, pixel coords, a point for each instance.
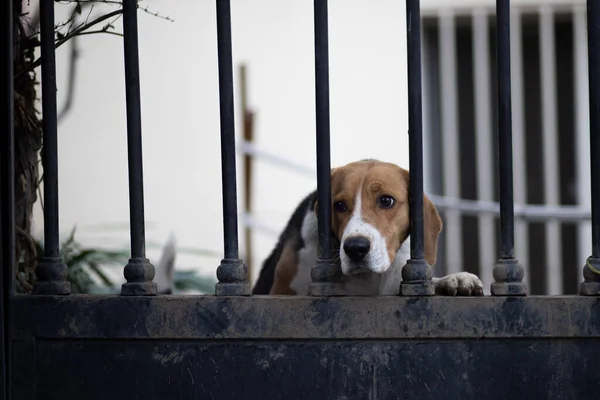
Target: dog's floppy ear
{"type": "Point", "coordinates": [432, 226]}
{"type": "Point", "coordinates": [332, 179]}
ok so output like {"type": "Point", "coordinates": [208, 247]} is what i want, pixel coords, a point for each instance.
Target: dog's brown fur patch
{"type": "Point", "coordinates": [286, 270]}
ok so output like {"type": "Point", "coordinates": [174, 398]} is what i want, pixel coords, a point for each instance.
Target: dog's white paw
{"type": "Point", "coordinates": [459, 284]}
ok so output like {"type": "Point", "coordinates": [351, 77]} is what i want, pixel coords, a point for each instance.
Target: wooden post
{"type": "Point", "coordinates": [248, 132]}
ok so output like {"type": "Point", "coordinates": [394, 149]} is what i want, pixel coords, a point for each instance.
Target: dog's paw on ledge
{"type": "Point", "coordinates": [459, 284]}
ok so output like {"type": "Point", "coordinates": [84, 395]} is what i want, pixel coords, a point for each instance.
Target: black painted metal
{"type": "Point", "coordinates": [361, 369]}
{"type": "Point", "coordinates": [505, 129]}
{"type": "Point", "coordinates": [232, 273]}
{"type": "Point", "coordinates": [305, 317]}
{"type": "Point", "coordinates": [321, 28]}
{"type": "Point", "coordinates": [7, 196]}
{"type": "Point", "coordinates": [308, 348]}
{"type": "Point", "coordinates": [593, 20]}
{"type": "Point", "coordinates": [51, 272]}
{"type": "Point", "coordinates": [138, 272]}
{"type": "Point", "coordinates": [326, 274]}
{"type": "Point", "coordinates": [4, 314]}
{"type": "Point", "coordinates": [416, 274]}
{"type": "Point", "coordinates": [508, 273]}
{"type": "Point", "coordinates": [591, 271]}
{"type": "Point", "coordinates": [226, 107]}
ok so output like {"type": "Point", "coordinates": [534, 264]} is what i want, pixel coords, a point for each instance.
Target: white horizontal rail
{"type": "Point", "coordinates": [248, 148]}
{"type": "Point", "coordinates": [528, 212]}
{"type": "Point", "coordinates": [467, 207]}
{"type": "Point", "coordinates": [249, 220]}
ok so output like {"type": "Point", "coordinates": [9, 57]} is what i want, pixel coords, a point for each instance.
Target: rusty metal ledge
{"type": "Point", "coordinates": [261, 317]}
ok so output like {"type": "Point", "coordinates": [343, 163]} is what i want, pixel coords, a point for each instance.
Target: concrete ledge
{"type": "Point", "coordinates": [263, 317]}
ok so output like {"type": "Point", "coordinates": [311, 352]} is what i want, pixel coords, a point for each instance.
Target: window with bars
{"type": "Point", "coordinates": [549, 120]}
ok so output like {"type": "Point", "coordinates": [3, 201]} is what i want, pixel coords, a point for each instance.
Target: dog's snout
{"type": "Point", "coordinates": [357, 247]}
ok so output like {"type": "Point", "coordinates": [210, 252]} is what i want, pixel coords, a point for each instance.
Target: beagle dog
{"type": "Point", "coordinates": [371, 227]}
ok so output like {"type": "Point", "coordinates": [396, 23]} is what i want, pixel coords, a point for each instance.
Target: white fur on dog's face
{"type": "Point", "coordinates": [377, 259]}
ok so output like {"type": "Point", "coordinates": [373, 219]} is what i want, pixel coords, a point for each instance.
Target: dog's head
{"type": "Point", "coordinates": [370, 216]}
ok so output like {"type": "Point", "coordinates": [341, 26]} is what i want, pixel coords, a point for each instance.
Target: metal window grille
{"type": "Point", "coordinates": [549, 104]}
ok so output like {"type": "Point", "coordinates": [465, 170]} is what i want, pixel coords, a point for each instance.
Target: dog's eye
{"type": "Point", "coordinates": [340, 206]}
{"type": "Point", "coordinates": [386, 201]}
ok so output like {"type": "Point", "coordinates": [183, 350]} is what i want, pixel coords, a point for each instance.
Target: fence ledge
{"type": "Point", "coordinates": [232, 318]}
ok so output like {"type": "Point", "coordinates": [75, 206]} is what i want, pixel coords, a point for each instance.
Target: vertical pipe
{"type": "Point", "coordinates": [582, 128]}
{"type": "Point", "coordinates": [591, 270]}
{"type": "Point", "coordinates": [505, 129]}
{"type": "Point", "coordinates": [51, 271]}
{"type": "Point", "coordinates": [450, 139]}
{"type": "Point", "coordinates": [326, 274]}
{"type": "Point", "coordinates": [551, 160]}
{"type": "Point", "coordinates": [416, 274]}
{"type": "Point", "coordinates": [483, 139]}
{"type": "Point", "coordinates": [7, 198]}
{"type": "Point", "coordinates": [508, 273]}
{"type": "Point", "coordinates": [322, 126]}
{"type": "Point", "coordinates": [232, 272]}
{"type": "Point", "coordinates": [518, 129]}
{"type": "Point", "coordinates": [138, 272]}
{"type": "Point", "coordinates": [428, 173]}
{"type": "Point", "coordinates": [226, 105]}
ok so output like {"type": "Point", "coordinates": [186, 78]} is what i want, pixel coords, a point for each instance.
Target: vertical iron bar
{"type": "Point", "coordinates": [416, 274]}
{"type": "Point", "coordinates": [7, 200]}
{"type": "Point", "coordinates": [139, 272]}
{"type": "Point", "coordinates": [505, 130]}
{"type": "Point", "coordinates": [508, 273]}
{"type": "Point", "coordinates": [591, 270]}
{"type": "Point", "coordinates": [232, 273]}
{"type": "Point", "coordinates": [51, 271]}
{"type": "Point", "coordinates": [323, 126]}
{"type": "Point", "coordinates": [325, 274]}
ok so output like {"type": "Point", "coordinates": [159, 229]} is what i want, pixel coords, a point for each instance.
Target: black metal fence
{"type": "Point", "coordinates": [232, 272]}
{"type": "Point", "coordinates": [591, 271]}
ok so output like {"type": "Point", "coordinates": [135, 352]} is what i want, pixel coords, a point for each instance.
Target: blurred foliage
{"type": "Point", "coordinates": [189, 280]}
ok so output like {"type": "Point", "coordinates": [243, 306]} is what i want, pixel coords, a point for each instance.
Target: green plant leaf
{"type": "Point", "coordinates": [107, 281]}
{"type": "Point", "coordinates": [190, 280]}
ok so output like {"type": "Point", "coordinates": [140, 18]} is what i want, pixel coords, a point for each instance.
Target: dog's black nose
{"type": "Point", "coordinates": [357, 247]}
